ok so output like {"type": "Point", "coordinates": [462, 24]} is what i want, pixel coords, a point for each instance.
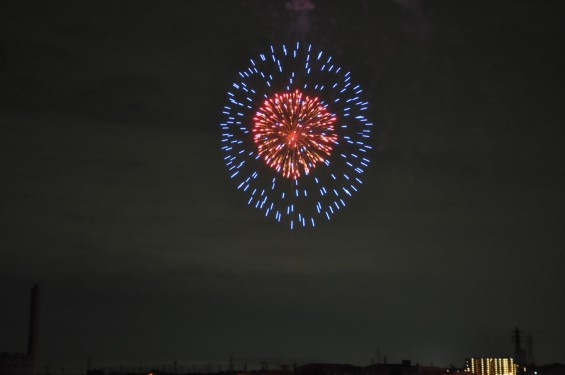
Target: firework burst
{"type": "Point", "coordinates": [295, 135]}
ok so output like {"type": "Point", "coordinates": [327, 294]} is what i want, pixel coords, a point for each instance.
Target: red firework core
{"type": "Point", "coordinates": [294, 132]}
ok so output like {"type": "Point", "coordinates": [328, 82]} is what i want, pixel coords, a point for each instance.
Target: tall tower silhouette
{"type": "Point", "coordinates": [33, 321]}
{"type": "Point", "coordinates": [530, 350]}
{"type": "Point", "coordinates": [518, 351]}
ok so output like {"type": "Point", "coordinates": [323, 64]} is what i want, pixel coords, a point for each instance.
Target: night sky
{"type": "Point", "coordinates": [114, 197]}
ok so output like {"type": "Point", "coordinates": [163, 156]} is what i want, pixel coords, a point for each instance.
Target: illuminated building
{"type": "Point", "coordinates": [491, 366]}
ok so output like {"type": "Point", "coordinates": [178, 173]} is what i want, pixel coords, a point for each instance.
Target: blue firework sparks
{"type": "Point", "coordinates": [304, 200]}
